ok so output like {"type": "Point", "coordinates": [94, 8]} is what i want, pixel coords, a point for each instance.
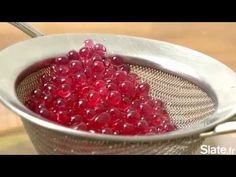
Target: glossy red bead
{"type": "Point", "coordinates": [73, 55]}
{"type": "Point", "coordinates": [114, 98]}
{"type": "Point", "coordinates": [132, 117]}
{"type": "Point", "coordinates": [80, 126]}
{"type": "Point", "coordinates": [125, 67]}
{"type": "Point", "coordinates": [120, 76]}
{"type": "Point", "coordinates": [115, 113]}
{"type": "Point", "coordinates": [117, 60]}
{"type": "Point", "coordinates": [102, 119]}
{"type": "Point", "coordinates": [126, 88]}
{"type": "Point", "coordinates": [98, 67]}
{"type": "Point", "coordinates": [99, 84]}
{"type": "Point", "coordinates": [64, 90]}
{"type": "Point", "coordinates": [61, 60]}
{"type": "Point", "coordinates": [142, 89]}
{"type": "Point", "coordinates": [75, 119]}
{"type": "Point", "coordinates": [125, 103]}
{"type": "Point", "coordinates": [61, 70]}
{"type": "Point", "coordinates": [89, 43]}
{"type": "Point", "coordinates": [93, 98]}
{"type": "Point", "coordinates": [111, 86]}
{"type": "Point", "coordinates": [81, 105]}
{"type": "Point", "coordinates": [75, 66]}
{"type": "Point", "coordinates": [84, 52]}
{"type": "Point", "coordinates": [100, 49]}
{"type": "Point", "coordinates": [79, 78]}
{"type": "Point", "coordinates": [106, 131]}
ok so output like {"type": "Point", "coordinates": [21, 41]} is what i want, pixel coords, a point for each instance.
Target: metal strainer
{"type": "Point", "coordinates": [200, 93]}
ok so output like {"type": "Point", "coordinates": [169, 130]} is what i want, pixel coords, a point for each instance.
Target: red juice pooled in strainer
{"type": "Point", "coordinates": [90, 91]}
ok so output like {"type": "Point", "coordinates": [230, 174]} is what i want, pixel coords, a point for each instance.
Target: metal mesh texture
{"type": "Point", "coordinates": [186, 103]}
{"type": "Point", "coordinates": [47, 141]}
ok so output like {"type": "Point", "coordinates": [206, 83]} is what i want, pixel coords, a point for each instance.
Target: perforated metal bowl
{"type": "Point", "coordinates": [200, 93]}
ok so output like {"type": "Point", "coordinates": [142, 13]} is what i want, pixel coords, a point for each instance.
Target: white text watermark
{"type": "Point", "coordinates": [207, 149]}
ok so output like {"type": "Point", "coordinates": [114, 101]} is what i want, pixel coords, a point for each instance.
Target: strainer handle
{"type": "Point", "coordinates": [222, 129]}
{"type": "Point", "coordinates": [27, 29]}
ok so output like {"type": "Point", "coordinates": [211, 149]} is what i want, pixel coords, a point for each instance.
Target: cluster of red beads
{"type": "Point", "coordinates": [88, 90]}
